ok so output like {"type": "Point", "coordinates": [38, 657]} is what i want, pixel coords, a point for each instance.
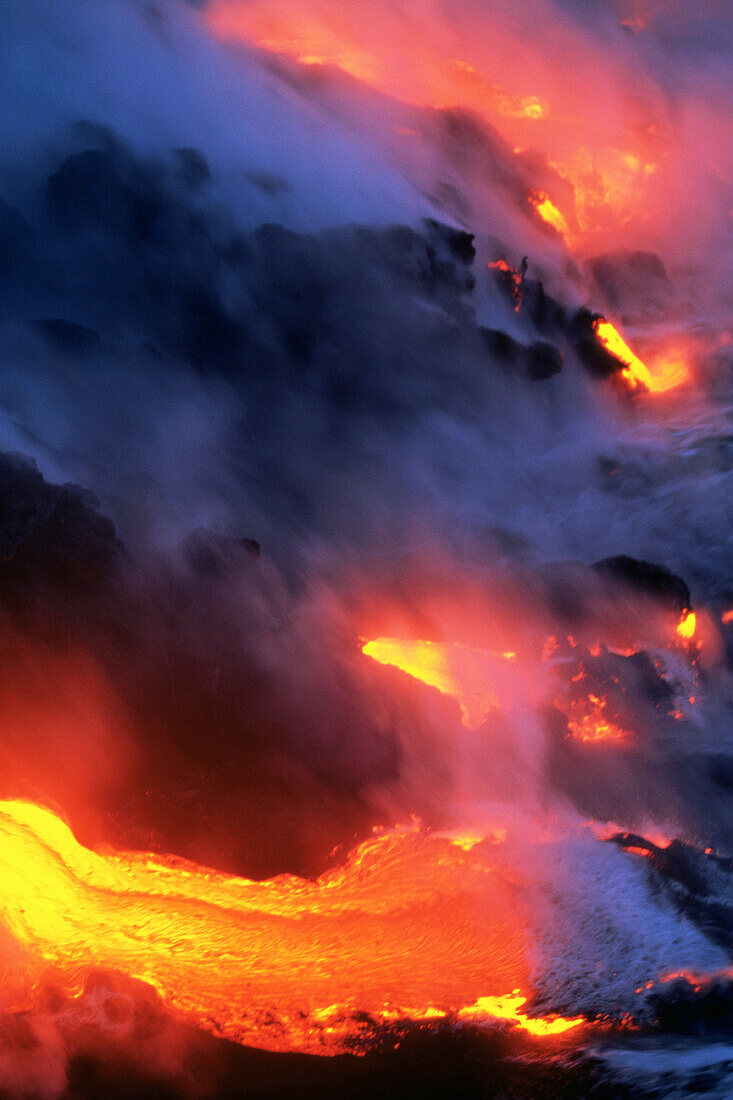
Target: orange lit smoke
{"type": "Point", "coordinates": [606, 151]}
{"type": "Point", "coordinates": [667, 372]}
{"type": "Point", "coordinates": [469, 676]}
{"type": "Point", "coordinates": [413, 926]}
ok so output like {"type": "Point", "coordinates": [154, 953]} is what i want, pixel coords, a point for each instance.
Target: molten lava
{"type": "Point", "coordinates": [465, 674]}
{"type": "Point", "coordinates": [587, 721]}
{"type": "Point", "coordinates": [412, 927]}
{"type": "Point", "coordinates": [549, 213]}
{"type": "Point", "coordinates": [667, 373]}
{"type": "Point", "coordinates": [510, 280]}
{"type": "Point", "coordinates": [609, 150]}
{"type": "Point", "coordinates": [687, 625]}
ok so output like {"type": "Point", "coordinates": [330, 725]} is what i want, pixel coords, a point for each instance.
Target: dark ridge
{"type": "Point", "coordinates": [536, 361]}
{"type": "Point", "coordinates": [698, 884]}
{"type": "Point", "coordinates": [645, 577]}
{"type": "Point", "coordinates": [51, 536]}
{"type": "Point", "coordinates": [702, 1011]}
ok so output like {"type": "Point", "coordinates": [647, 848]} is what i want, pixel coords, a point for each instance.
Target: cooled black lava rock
{"type": "Point", "coordinates": [50, 535]}
{"type": "Point", "coordinates": [699, 884]}
{"type": "Point", "coordinates": [543, 360]}
{"type": "Point", "coordinates": [547, 315]}
{"type": "Point", "coordinates": [459, 242]}
{"type": "Point", "coordinates": [645, 577]}
{"type": "Point", "coordinates": [685, 1008]}
{"type": "Point", "coordinates": [99, 186]}
{"type": "Point", "coordinates": [501, 346]}
{"type": "Point", "coordinates": [593, 355]}
{"type": "Point", "coordinates": [536, 361]}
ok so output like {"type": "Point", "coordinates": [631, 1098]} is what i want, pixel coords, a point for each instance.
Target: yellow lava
{"type": "Point", "coordinates": [687, 625]}
{"type": "Point", "coordinates": [508, 1008]}
{"type": "Point", "coordinates": [426, 661]}
{"type": "Point", "coordinates": [668, 371]}
{"type": "Point", "coordinates": [549, 213]}
{"type": "Point", "coordinates": [412, 926]}
{"type": "Point", "coordinates": [466, 674]}
{"type": "Point", "coordinates": [635, 372]}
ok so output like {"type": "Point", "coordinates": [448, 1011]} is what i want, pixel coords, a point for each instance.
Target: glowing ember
{"type": "Point", "coordinates": [510, 279]}
{"type": "Point", "coordinates": [727, 616]}
{"type": "Point", "coordinates": [466, 674]}
{"type": "Point", "coordinates": [412, 926]}
{"type": "Point", "coordinates": [587, 721]}
{"type": "Point", "coordinates": [697, 980]}
{"type": "Point", "coordinates": [687, 624]}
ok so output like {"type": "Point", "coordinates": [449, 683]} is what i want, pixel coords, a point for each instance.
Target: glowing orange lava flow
{"type": "Point", "coordinates": [667, 373]}
{"type": "Point", "coordinates": [464, 673]}
{"type": "Point", "coordinates": [413, 926]}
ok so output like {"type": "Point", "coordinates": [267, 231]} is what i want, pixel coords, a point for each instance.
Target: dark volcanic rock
{"type": "Point", "coordinates": [97, 186]}
{"type": "Point", "coordinates": [49, 534]}
{"type": "Point", "coordinates": [594, 357]}
{"type": "Point", "coordinates": [501, 346]}
{"type": "Point", "coordinates": [703, 1011]}
{"type": "Point", "coordinates": [547, 315]}
{"type": "Point", "coordinates": [543, 360]}
{"type": "Point", "coordinates": [699, 884]}
{"type": "Point", "coordinates": [535, 361]}
{"type": "Point", "coordinates": [459, 242]}
{"type": "Point", "coordinates": [652, 580]}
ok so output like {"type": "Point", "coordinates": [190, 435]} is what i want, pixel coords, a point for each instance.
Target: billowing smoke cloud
{"type": "Point", "coordinates": [625, 104]}
{"type": "Point", "coordinates": [226, 314]}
